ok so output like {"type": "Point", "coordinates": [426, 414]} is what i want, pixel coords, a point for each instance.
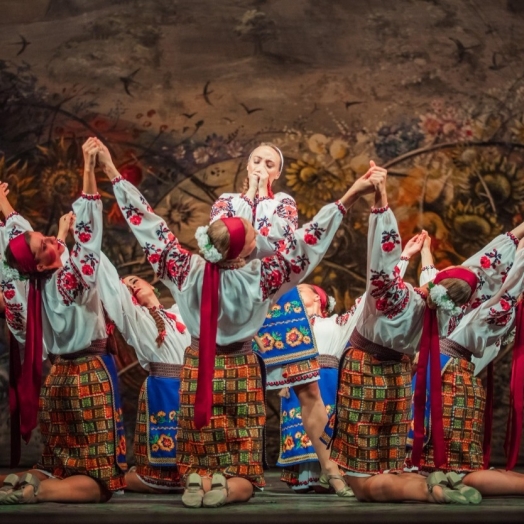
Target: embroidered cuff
{"type": "Point", "coordinates": [61, 242]}
{"type": "Point", "coordinates": [341, 207]}
{"type": "Point", "coordinates": [428, 267]}
{"type": "Point", "coordinates": [404, 257]}
{"type": "Point", "coordinates": [379, 210]}
{"type": "Point", "coordinates": [95, 196]}
{"type": "Point", "coordinates": [421, 293]}
{"type": "Point", "coordinates": [513, 237]}
{"type": "Point", "coordinates": [248, 201]}
{"type": "Point", "coordinates": [117, 179]}
{"type": "Point", "coordinates": [263, 198]}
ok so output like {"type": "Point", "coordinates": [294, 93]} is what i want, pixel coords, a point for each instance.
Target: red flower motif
{"type": "Point", "coordinates": [388, 246]}
{"type": "Point", "coordinates": [9, 294]}
{"type": "Point", "coordinates": [296, 269]}
{"type": "Point", "coordinates": [170, 237]}
{"type": "Point", "coordinates": [505, 305]}
{"type": "Point", "coordinates": [310, 239]}
{"type": "Point", "coordinates": [171, 267]}
{"type": "Point", "coordinates": [281, 245]}
{"type": "Point", "coordinates": [264, 231]}
{"type": "Point", "coordinates": [87, 270]}
{"type": "Point", "coordinates": [275, 279]}
{"type": "Point", "coordinates": [153, 258]}
{"type": "Point", "coordinates": [70, 281]}
{"type": "Point", "coordinates": [84, 237]}
{"type": "Point", "coordinates": [135, 220]}
{"type": "Point", "coordinates": [485, 263]}
{"type": "Point", "coordinates": [381, 304]}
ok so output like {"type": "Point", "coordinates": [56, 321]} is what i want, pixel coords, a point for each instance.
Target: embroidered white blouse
{"type": "Point", "coordinates": [136, 324]}
{"type": "Point", "coordinates": [72, 314]}
{"type": "Point", "coordinates": [245, 293]}
{"type": "Point", "coordinates": [273, 218]}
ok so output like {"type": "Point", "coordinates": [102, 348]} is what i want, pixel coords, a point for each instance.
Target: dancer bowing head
{"type": "Point", "coordinates": [65, 319]}
{"type": "Point", "coordinates": [224, 302]}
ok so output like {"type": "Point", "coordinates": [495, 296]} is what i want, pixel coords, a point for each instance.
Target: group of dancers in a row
{"type": "Point", "coordinates": [381, 402]}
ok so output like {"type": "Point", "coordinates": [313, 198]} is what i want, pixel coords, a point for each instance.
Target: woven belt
{"type": "Point", "coordinates": [328, 361]}
{"type": "Point", "coordinates": [376, 350]}
{"type": "Point", "coordinates": [452, 349]}
{"type": "Point", "coordinates": [97, 347]}
{"type": "Point", "coordinates": [236, 348]}
{"type": "Point", "coordinates": [159, 369]}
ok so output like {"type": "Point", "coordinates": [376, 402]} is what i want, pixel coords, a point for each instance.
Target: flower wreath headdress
{"type": "Point", "coordinates": [208, 250]}
{"type": "Point", "coordinates": [439, 295]}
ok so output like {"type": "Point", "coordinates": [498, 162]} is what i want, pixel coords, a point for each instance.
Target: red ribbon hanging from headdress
{"type": "Point", "coordinates": [516, 392]}
{"type": "Point", "coordinates": [430, 353]}
{"type": "Point", "coordinates": [209, 310]}
{"type": "Point", "coordinates": [27, 379]}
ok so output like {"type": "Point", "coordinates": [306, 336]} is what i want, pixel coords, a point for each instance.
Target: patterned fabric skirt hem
{"type": "Point", "coordinates": [78, 422]}
{"type": "Point", "coordinates": [303, 476]}
{"type": "Point", "coordinates": [293, 374]}
{"type": "Point", "coordinates": [464, 402]}
{"type": "Point", "coordinates": [232, 443]}
{"type": "Point", "coordinates": [152, 475]}
{"type": "Point", "coordinates": [373, 414]}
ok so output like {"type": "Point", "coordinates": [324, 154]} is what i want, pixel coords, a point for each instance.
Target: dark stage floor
{"type": "Point", "coordinates": [276, 505]}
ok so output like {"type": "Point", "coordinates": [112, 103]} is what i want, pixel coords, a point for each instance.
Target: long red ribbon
{"type": "Point", "coordinates": [207, 345]}
{"type": "Point", "coordinates": [429, 354]}
{"type": "Point", "coordinates": [15, 369]}
{"type": "Point", "coordinates": [514, 426]}
{"type": "Point", "coordinates": [488, 418]}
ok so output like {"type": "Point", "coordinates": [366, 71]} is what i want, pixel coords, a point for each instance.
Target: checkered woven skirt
{"type": "Point", "coordinates": [157, 476]}
{"type": "Point", "coordinates": [464, 402]}
{"type": "Point", "coordinates": [373, 414]}
{"type": "Point", "coordinates": [293, 373]}
{"type": "Point", "coordinates": [232, 443]}
{"type": "Point", "coordinates": [78, 422]}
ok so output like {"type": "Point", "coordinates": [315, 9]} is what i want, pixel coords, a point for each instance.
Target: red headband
{"type": "Point", "coordinates": [209, 311]}
{"type": "Point", "coordinates": [26, 378]}
{"type": "Point", "coordinates": [458, 272]}
{"type": "Point", "coordinates": [323, 298]}
{"type": "Point", "coordinates": [23, 255]}
{"type": "Point", "coordinates": [237, 236]}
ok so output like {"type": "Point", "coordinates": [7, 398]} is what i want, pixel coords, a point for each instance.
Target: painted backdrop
{"type": "Point", "coordinates": [182, 91]}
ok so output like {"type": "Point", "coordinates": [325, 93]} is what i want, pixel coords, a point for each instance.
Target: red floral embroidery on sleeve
{"type": "Point", "coordinates": [275, 271]}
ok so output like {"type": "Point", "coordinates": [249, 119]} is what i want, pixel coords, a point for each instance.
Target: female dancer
{"type": "Point", "coordinates": [221, 426]}
{"type": "Point", "coordinates": [274, 216]}
{"type": "Point", "coordinates": [159, 339]}
{"type": "Point", "coordinates": [330, 336]}
{"type": "Point", "coordinates": [375, 384]}
{"type": "Point", "coordinates": [80, 421]}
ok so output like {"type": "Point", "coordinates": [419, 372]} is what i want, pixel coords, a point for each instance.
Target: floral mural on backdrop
{"type": "Point", "coordinates": [181, 93]}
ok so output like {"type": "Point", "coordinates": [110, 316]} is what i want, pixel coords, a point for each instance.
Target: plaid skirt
{"type": "Point", "coordinates": [156, 476]}
{"type": "Point", "coordinates": [373, 414]}
{"type": "Point", "coordinates": [79, 422]}
{"type": "Point", "coordinates": [293, 373]}
{"type": "Point", "coordinates": [464, 403]}
{"type": "Point", "coordinates": [232, 443]}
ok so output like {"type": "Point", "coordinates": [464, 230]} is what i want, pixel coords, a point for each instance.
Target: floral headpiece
{"type": "Point", "coordinates": [208, 250]}
{"type": "Point", "coordinates": [439, 295]}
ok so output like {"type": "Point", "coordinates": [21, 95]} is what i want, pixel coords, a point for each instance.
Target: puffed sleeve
{"type": "Point", "coordinates": [492, 264]}
{"type": "Point", "coordinates": [481, 327]}
{"type": "Point", "coordinates": [14, 288]}
{"type": "Point", "coordinates": [386, 289]}
{"type": "Point", "coordinates": [169, 260]}
{"type": "Point", "coordinates": [301, 251]}
{"type": "Point", "coordinates": [275, 218]}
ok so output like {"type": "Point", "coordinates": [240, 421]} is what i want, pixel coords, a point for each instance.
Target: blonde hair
{"type": "Point", "coordinates": [275, 148]}
{"type": "Point", "coordinates": [458, 291]}
{"type": "Point", "coordinates": [219, 235]}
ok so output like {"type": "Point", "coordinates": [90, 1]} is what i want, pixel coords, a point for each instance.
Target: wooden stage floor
{"type": "Point", "coordinates": [276, 505]}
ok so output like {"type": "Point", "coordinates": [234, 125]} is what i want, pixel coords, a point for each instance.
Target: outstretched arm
{"type": "Point", "coordinates": [5, 206]}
